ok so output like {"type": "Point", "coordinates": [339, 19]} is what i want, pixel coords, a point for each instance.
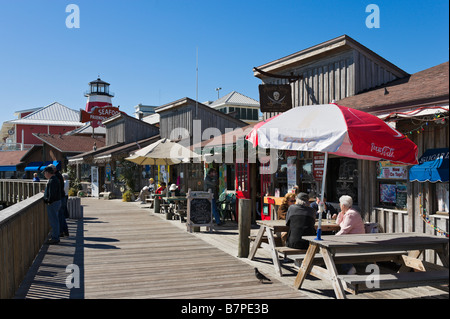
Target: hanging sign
{"type": "Point", "coordinates": [275, 97]}
{"type": "Point", "coordinates": [318, 165]}
{"type": "Point", "coordinates": [98, 114]}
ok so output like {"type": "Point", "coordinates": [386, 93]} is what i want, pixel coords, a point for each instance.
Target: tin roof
{"type": "Point", "coordinates": [52, 114]}
{"type": "Point", "coordinates": [234, 98]}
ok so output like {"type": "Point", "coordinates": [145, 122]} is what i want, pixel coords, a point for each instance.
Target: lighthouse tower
{"type": "Point", "coordinates": [98, 96]}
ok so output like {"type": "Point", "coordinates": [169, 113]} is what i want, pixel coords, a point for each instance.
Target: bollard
{"type": "Point", "coordinates": [245, 217]}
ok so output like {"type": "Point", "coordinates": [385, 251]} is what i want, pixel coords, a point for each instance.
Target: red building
{"type": "Point", "coordinates": [54, 118]}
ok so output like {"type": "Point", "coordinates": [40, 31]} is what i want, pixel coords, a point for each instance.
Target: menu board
{"type": "Point", "coordinates": [199, 209]}
{"type": "Point", "coordinates": [402, 195]}
{"type": "Point", "coordinates": [394, 194]}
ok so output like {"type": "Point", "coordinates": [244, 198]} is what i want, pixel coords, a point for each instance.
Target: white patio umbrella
{"type": "Point", "coordinates": [334, 129]}
{"type": "Point", "coordinates": [162, 152]}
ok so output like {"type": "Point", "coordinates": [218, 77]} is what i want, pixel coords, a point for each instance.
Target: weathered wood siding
{"type": "Point", "coordinates": [333, 78]}
{"type": "Point", "coordinates": [182, 123]}
{"type": "Point", "coordinates": [126, 129]}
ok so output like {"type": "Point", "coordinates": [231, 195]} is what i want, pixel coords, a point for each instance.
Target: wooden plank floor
{"type": "Point", "coordinates": [125, 251]}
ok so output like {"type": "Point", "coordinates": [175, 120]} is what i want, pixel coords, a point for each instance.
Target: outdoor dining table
{"type": "Point", "coordinates": [271, 227]}
{"type": "Point", "coordinates": [176, 201]}
{"type": "Point", "coordinates": [368, 247]}
{"type": "Point", "coordinates": [157, 202]}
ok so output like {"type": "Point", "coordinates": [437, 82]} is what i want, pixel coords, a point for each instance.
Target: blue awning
{"type": "Point", "coordinates": [432, 167]}
{"type": "Point", "coordinates": [8, 168]}
{"type": "Point", "coordinates": [39, 166]}
{"type": "Point", "coordinates": [33, 167]}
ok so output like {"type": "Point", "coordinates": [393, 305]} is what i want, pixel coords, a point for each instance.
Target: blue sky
{"type": "Point", "coordinates": [146, 49]}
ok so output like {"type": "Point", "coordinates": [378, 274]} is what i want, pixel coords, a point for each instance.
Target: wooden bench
{"type": "Point", "coordinates": [349, 258]}
{"type": "Point", "coordinates": [289, 251]}
{"type": "Point", "coordinates": [263, 239]}
{"type": "Point", "coordinates": [355, 283]}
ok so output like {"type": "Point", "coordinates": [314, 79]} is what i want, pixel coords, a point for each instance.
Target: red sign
{"type": "Point", "coordinates": [98, 114]}
{"type": "Point", "coordinates": [318, 165]}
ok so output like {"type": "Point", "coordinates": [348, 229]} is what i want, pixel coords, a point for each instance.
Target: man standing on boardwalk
{"type": "Point", "coordinates": [52, 197]}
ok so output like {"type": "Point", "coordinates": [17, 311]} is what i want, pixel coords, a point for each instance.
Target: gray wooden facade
{"type": "Point", "coordinates": [122, 128]}
{"type": "Point", "coordinates": [332, 70]}
{"type": "Point", "coordinates": [187, 120]}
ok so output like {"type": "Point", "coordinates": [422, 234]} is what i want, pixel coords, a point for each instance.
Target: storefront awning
{"type": "Point", "coordinates": [8, 168]}
{"type": "Point", "coordinates": [39, 166]}
{"type": "Point", "coordinates": [432, 167]}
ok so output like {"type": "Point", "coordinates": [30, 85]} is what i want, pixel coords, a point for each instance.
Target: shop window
{"type": "Point", "coordinates": [255, 115]}
{"type": "Point", "coordinates": [307, 181]}
{"type": "Point", "coordinates": [342, 179]}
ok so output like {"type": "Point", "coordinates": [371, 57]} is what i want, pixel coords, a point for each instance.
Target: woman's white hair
{"type": "Point", "coordinates": [346, 200]}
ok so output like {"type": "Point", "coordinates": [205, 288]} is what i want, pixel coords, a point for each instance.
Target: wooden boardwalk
{"type": "Point", "coordinates": [122, 251]}
{"type": "Point", "coordinates": [125, 251]}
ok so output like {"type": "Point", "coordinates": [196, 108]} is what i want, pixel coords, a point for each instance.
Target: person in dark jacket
{"type": "Point", "coordinates": [327, 207]}
{"type": "Point", "coordinates": [63, 228]}
{"type": "Point", "coordinates": [52, 197]}
{"type": "Point", "coordinates": [301, 219]}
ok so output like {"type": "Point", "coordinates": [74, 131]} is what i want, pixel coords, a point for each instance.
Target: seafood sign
{"type": "Point", "coordinates": [99, 114]}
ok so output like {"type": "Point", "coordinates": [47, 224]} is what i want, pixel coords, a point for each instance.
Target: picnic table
{"type": "Point", "coordinates": [369, 248]}
{"type": "Point", "coordinates": [176, 205]}
{"type": "Point", "coordinates": [271, 227]}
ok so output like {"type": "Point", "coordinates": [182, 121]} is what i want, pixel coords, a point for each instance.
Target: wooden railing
{"type": "Point", "coordinates": [13, 191]}
{"type": "Point", "coordinates": [399, 221]}
{"type": "Point", "coordinates": [23, 229]}
{"type": "Point", "coordinates": [389, 220]}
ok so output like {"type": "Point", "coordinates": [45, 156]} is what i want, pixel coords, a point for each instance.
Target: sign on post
{"type": "Point", "coordinates": [199, 210]}
{"type": "Point", "coordinates": [318, 165]}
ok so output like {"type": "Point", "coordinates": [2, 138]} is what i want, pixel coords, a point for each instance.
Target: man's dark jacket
{"type": "Point", "coordinates": [52, 191]}
{"type": "Point", "coordinates": [301, 220]}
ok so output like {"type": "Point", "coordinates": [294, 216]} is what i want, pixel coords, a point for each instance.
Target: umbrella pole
{"type": "Point", "coordinates": [321, 204]}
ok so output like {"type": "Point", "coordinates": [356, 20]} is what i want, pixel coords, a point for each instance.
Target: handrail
{"type": "Point", "coordinates": [23, 229]}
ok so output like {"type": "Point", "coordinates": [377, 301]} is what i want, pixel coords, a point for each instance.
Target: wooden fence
{"type": "Point", "coordinates": [23, 229]}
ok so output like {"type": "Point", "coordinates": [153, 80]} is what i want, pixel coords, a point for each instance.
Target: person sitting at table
{"type": "Point", "coordinates": [146, 190]}
{"type": "Point", "coordinates": [349, 219]}
{"type": "Point", "coordinates": [327, 207]}
{"type": "Point", "coordinates": [300, 218]}
{"type": "Point", "coordinates": [350, 222]}
{"type": "Point", "coordinates": [161, 188]}
{"type": "Point", "coordinates": [288, 200]}
{"type": "Point", "coordinates": [174, 190]}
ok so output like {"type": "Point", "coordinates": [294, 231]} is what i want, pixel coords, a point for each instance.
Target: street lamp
{"type": "Point", "coordinates": [218, 89]}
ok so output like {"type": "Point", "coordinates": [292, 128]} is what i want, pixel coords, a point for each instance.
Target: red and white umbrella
{"type": "Point", "coordinates": [335, 129]}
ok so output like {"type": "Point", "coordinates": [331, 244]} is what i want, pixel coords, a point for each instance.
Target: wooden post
{"type": "Point", "coordinates": [245, 216]}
